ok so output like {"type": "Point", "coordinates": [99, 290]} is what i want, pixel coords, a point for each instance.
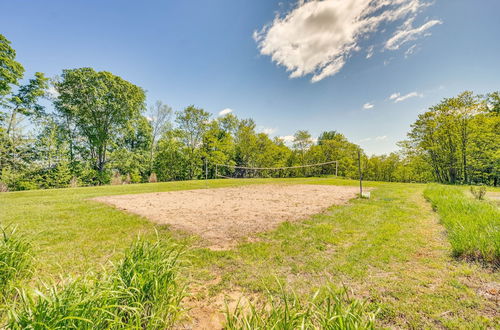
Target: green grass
{"type": "Point", "coordinates": [326, 309]}
{"type": "Point", "coordinates": [389, 251]}
{"type": "Point", "coordinates": [143, 292]}
{"type": "Point", "coordinates": [473, 226]}
{"type": "Point", "coordinates": [15, 259]}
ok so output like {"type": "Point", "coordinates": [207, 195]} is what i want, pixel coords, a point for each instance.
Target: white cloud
{"type": "Point", "coordinates": [408, 33]}
{"type": "Point", "coordinates": [411, 50]}
{"type": "Point", "coordinates": [52, 92]}
{"type": "Point", "coordinates": [397, 97]}
{"type": "Point", "coordinates": [267, 130]}
{"type": "Point", "coordinates": [377, 138]}
{"type": "Point", "coordinates": [287, 138]}
{"type": "Point", "coordinates": [317, 37]}
{"type": "Point", "coordinates": [368, 106]}
{"type": "Point", "coordinates": [394, 96]}
{"type": "Point", "coordinates": [225, 111]}
{"type": "Point", "coordinates": [369, 52]}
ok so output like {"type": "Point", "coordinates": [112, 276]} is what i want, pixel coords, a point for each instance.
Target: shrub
{"type": "Point", "coordinates": [116, 179]}
{"type": "Point", "coordinates": [3, 187]}
{"type": "Point", "coordinates": [26, 185]}
{"type": "Point", "coordinates": [478, 192]}
{"type": "Point", "coordinates": [15, 258]}
{"type": "Point", "coordinates": [73, 183]}
{"type": "Point", "coordinates": [142, 292]}
{"type": "Point", "coordinates": [472, 225]}
{"type": "Point", "coordinates": [153, 178]}
{"type": "Point", "coordinates": [127, 179]}
{"type": "Point", "coordinates": [332, 309]}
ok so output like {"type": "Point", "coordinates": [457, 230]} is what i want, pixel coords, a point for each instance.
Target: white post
{"type": "Point", "coordinates": [336, 168]}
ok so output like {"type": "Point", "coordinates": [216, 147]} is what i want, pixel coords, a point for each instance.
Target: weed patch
{"type": "Point", "coordinates": [143, 291]}
{"type": "Point", "coordinates": [473, 226]}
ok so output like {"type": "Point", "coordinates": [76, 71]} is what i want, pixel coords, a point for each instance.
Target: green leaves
{"type": "Point", "coordinates": [11, 71]}
{"type": "Point", "coordinates": [100, 104]}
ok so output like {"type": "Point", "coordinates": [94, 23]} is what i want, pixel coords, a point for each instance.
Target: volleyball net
{"type": "Point", "coordinates": [237, 172]}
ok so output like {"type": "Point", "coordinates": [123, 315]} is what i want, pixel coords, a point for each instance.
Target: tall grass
{"type": "Point", "coordinates": [142, 292]}
{"type": "Point", "coordinates": [330, 309]}
{"type": "Point", "coordinates": [473, 226]}
{"type": "Point", "coordinates": [15, 258]}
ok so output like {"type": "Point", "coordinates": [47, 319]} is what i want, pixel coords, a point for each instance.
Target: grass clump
{"type": "Point", "coordinates": [15, 258]}
{"type": "Point", "coordinates": [478, 192]}
{"type": "Point", "coordinates": [473, 226]}
{"type": "Point", "coordinates": [142, 292]}
{"type": "Point", "coordinates": [327, 309]}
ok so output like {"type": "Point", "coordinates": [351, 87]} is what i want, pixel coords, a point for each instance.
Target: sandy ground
{"type": "Point", "coordinates": [223, 216]}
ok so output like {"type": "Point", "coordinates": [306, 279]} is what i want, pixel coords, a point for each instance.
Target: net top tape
{"type": "Point", "coordinates": [276, 168]}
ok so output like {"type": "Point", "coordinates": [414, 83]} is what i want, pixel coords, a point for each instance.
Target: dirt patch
{"type": "Point", "coordinates": [223, 216]}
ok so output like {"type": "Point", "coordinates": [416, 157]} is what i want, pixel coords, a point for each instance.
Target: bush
{"type": "Point", "coordinates": [127, 179]}
{"type": "Point", "coordinates": [332, 309]}
{"type": "Point", "coordinates": [473, 226]}
{"type": "Point", "coordinates": [153, 178]}
{"type": "Point", "coordinates": [15, 258]}
{"type": "Point", "coordinates": [142, 292]}
{"type": "Point", "coordinates": [3, 187]}
{"type": "Point", "coordinates": [116, 179]}
{"type": "Point", "coordinates": [478, 192]}
{"type": "Point", "coordinates": [73, 183]}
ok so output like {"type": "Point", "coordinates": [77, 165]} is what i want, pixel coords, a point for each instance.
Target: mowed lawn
{"type": "Point", "coordinates": [390, 250]}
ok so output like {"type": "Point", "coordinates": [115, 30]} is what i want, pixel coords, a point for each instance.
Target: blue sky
{"type": "Point", "coordinates": [240, 54]}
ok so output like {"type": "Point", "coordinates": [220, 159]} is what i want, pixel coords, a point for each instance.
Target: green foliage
{"type": "Point", "coordinates": [143, 292]}
{"type": "Point", "coordinates": [15, 259]}
{"type": "Point", "coordinates": [478, 192]}
{"type": "Point", "coordinates": [332, 309]}
{"type": "Point", "coordinates": [193, 123]}
{"type": "Point", "coordinates": [458, 138]}
{"type": "Point", "coordinates": [100, 105]}
{"type": "Point", "coordinates": [10, 70]}
{"type": "Point", "coordinates": [472, 225]}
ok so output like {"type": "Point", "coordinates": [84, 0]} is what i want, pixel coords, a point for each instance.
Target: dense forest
{"type": "Point", "coordinates": [100, 131]}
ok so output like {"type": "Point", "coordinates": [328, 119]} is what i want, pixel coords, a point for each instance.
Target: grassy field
{"type": "Point", "coordinates": [389, 251]}
{"type": "Point", "coordinates": [473, 226]}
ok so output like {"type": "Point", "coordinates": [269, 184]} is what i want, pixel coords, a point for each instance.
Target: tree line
{"type": "Point", "coordinates": [100, 131]}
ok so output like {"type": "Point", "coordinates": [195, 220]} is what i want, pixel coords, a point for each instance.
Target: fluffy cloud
{"type": "Point", "coordinates": [225, 111]}
{"type": "Point", "coordinates": [317, 37]}
{"type": "Point", "coordinates": [267, 130]}
{"type": "Point", "coordinates": [287, 138]}
{"type": "Point", "coordinates": [397, 97]}
{"type": "Point", "coordinates": [368, 106]}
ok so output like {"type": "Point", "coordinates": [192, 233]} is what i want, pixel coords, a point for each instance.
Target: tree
{"type": "Point", "coordinates": [25, 101]}
{"type": "Point", "coordinates": [193, 123]}
{"type": "Point", "coordinates": [15, 100]}
{"type": "Point", "coordinates": [11, 71]}
{"type": "Point", "coordinates": [99, 104]}
{"type": "Point", "coordinates": [457, 137]}
{"type": "Point", "coordinates": [302, 141]}
{"type": "Point", "coordinates": [160, 116]}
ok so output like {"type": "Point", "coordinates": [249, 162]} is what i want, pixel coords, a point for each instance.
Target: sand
{"type": "Point", "coordinates": [225, 216]}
